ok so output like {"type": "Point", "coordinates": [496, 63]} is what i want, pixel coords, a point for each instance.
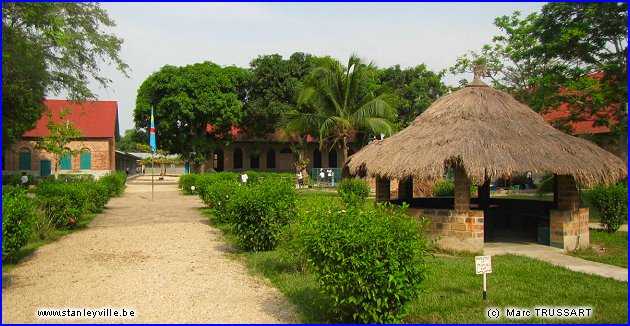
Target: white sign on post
{"type": "Point", "coordinates": [483, 264]}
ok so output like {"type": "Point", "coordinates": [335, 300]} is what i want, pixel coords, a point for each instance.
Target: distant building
{"type": "Point", "coordinates": [98, 123]}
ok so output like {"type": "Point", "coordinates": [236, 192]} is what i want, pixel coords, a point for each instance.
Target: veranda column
{"type": "Point", "coordinates": [382, 189]}
{"type": "Point", "coordinates": [569, 223]}
{"type": "Point", "coordinates": [405, 189]}
{"type": "Point", "coordinates": [462, 190]}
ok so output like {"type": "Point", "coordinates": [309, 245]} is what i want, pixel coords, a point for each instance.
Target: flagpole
{"type": "Point", "coordinates": [153, 146]}
{"type": "Point", "coordinates": [151, 175]}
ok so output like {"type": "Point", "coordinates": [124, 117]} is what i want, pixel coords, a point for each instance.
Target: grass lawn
{"type": "Point", "coordinates": [453, 292]}
{"type": "Point", "coordinates": [607, 248]}
{"type": "Point", "coordinates": [35, 242]}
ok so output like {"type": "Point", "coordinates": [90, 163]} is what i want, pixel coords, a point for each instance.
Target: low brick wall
{"type": "Point", "coordinates": [457, 230]}
{"type": "Point", "coordinates": [570, 229]}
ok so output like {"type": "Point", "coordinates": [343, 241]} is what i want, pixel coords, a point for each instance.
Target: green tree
{"type": "Point", "coordinates": [48, 48]}
{"type": "Point", "coordinates": [583, 39]}
{"type": "Point", "coordinates": [60, 134]}
{"type": "Point", "coordinates": [344, 100]}
{"type": "Point", "coordinates": [416, 88]}
{"type": "Point", "coordinates": [195, 107]}
{"type": "Point", "coordinates": [132, 141]}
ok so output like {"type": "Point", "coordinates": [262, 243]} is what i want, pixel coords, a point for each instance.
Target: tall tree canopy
{"type": "Point", "coordinates": [186, 100]}
{"type": "Point", "coordinates": [273, 89]}
{"type": "Point", "coordinates": [574, 53]}
{"type": "Point", "coordinates": [48, 48]}
{"type": "Point", "coordinates": [344, 100]}
{"type": "Point", "coordinates": [416, 88]}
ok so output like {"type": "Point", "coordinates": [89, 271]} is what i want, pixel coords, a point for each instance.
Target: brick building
{"type": "Point", "coordinates": [98, 123]}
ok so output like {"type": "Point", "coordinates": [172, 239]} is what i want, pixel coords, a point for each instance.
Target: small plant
{"type": "Point", "coordinates": [186, 181]}
{"type": "Point", "coordinates": [353, 192]}
{"type": "Point", "coordinates": [368, 262]}
{"type": "Point", "coordinates": [260, 212]}
{"type": "Point", "coordinates": [62, 203]}
{"type": "Point", "coordinates": [612, 203]}
{"type": "Point", "coordinates": [217, 195]}
{"type": "Point", "coordinates": [17, 213]}
{"type": "Point", "coordinates": [443, 188]}
{"type": "Point", "coordinates": [115, 183]}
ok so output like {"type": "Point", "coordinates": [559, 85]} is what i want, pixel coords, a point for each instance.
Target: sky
{"type": "Point", "coordinates": [408, 34]}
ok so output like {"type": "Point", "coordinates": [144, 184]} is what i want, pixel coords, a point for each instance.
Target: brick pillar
{"type": "Point", "coordinates": [405, 189]}
{"type": "Point", "coordinates": [568, 197]}
{"type": "Point", "coordinates": [462, 190]}
{"type": "Point", "coordinates": [382, 189]}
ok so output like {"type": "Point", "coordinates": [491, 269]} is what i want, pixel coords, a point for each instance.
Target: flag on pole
{"type": "Point", "coordinates": [152, 134]}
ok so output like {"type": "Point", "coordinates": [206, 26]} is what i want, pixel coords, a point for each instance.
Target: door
{"type": "Point", "coordinates": [44, 168]}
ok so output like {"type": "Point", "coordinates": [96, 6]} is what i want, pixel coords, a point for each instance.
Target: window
{"type": "Point", "coordinates": [254, 162]}
{"type": "Point", "coordinates": [86, 161]}
{"type": "Point", "coordinates": [238, 158]}
{"type": "Point", "coordinates": [332, 158]}
{"type": "Point", "coordinates": [271, 159]}
{"type": "Point", "coordinates": [25, 160]}
{"type": "Point", "coordinates": [66, 162]}
{"type": "Point", "coordinates": [317, 158]}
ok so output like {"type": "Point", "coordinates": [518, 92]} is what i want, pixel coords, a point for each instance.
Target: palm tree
{"type": "Point", "coordinates": [344, 100]}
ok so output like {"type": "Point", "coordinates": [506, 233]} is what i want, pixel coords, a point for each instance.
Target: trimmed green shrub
{"type": "Point", "coordinates": [97, 195]}
{"type": "Point", "coordinates": [74, 177]}
{"type": "Point", "coordinates": [369, 263]}
{"type": "Point", "coordinates": [612, 203]}
{"type": "Point", "coordinates": [186, 181]}
{"type": "Point", "coordinates": [260, 212]}
{"type": "Point", "coordinates": [62, 203]}
{"type": "Point", "coordinates": [443, 188]}
{"type": "Point", "coordinates": [14, 179]}
{"type": "Point", "coordinates": [217, 195]}
{"type": "Point", "coordinates": [353, 192]}
{"type": "Point", "coordinates": [203, 180]}
{"type": "Point", "coordinates": [114, 182]}
{"type": "Point", "coordinates": [17, 213]}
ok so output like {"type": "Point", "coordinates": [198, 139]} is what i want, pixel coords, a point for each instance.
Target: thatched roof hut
{"type": "Point", "coordinates": [489, 134]}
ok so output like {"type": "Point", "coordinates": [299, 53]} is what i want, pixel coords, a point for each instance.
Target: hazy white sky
{"type": "Point", "coordinates": [408, 34]}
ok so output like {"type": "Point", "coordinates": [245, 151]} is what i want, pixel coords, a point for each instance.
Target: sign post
{"type": "Point", "coordinates": [483, 266]}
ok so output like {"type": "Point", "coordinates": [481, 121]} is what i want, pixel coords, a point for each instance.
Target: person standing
{"type": "Point", "coordinates": [332, 178]}
{"type": "Point", "coordinates": [24, 180]}
{"type": "Point", "coordinates": [300, 179]}
{"type": "Point", "coordinates": [244, 178]}
{"type": "Point", "coordinates": [322, 177]}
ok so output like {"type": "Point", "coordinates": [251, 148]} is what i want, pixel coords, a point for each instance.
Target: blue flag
{"type": "Point", "coordinates": [152, 134]}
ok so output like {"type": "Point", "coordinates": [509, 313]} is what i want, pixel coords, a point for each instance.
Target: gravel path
{"type": "Point", "coordinates": [159, 258]}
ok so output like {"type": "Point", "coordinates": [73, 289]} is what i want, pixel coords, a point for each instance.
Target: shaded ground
{"type": "Point", "coordinates": [158, 257]}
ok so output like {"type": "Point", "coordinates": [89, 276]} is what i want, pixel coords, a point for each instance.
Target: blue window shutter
{"type": "Point", "coordinates": [66, 162]}
{"type": "Point", "coordinates": [25, 160]}
{"type": "Point", "coordinates": [86, 161]}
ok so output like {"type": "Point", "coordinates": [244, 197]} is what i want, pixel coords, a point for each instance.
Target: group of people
{"type": "Point", "coordinates": [325, 177]}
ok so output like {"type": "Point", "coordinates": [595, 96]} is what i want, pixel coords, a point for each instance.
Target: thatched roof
{"type": "Point", "coordinates": [490, 134]}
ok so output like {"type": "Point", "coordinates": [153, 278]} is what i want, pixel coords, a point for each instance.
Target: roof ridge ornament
{"type": "Point", "coordinates": [479, 70]}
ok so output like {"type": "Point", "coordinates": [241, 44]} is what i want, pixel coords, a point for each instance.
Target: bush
{"type": "Point", "coordinates": [443, 188]}
{"type": "Point", "coordinates": [217, 195]}
{"type": "Point", "coordinates": [612, 203]}
{"type": "Point", "coordinates": [186, 181]}
{"type": "Point", "coordinates": [62, 203]}
{"type": "Point", "coordinates": [259, 213]}
{"type": "Point", "coordinates": [353, 192]}
{"type": "Point", "coordinates": [17, 213]}
{"type": "Point", "coordinates": [14, 179]}
{"type": "Point", "coordinates": [97, 195]}
{"type": "Point", "coordinates": [75, 177]}
{"type": "Point", "coordinates": [114, 182]}
{"type": "Point", "coordinates": [368, 262]}
{"type": "Point", "coordinates": [204, 180]}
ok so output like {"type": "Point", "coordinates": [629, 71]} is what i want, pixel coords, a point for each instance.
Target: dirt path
{"type": "Point", "coordinates": [159, 258]}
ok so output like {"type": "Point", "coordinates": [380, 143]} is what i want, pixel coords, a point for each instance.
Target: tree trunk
{"type": "Point", "coordinates": [344, 153]}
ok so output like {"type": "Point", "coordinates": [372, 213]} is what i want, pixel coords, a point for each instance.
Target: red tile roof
{"type": "Point", "coordinates": [93, 118]}
{"type": "Point", "coordinates": [577, 127]}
